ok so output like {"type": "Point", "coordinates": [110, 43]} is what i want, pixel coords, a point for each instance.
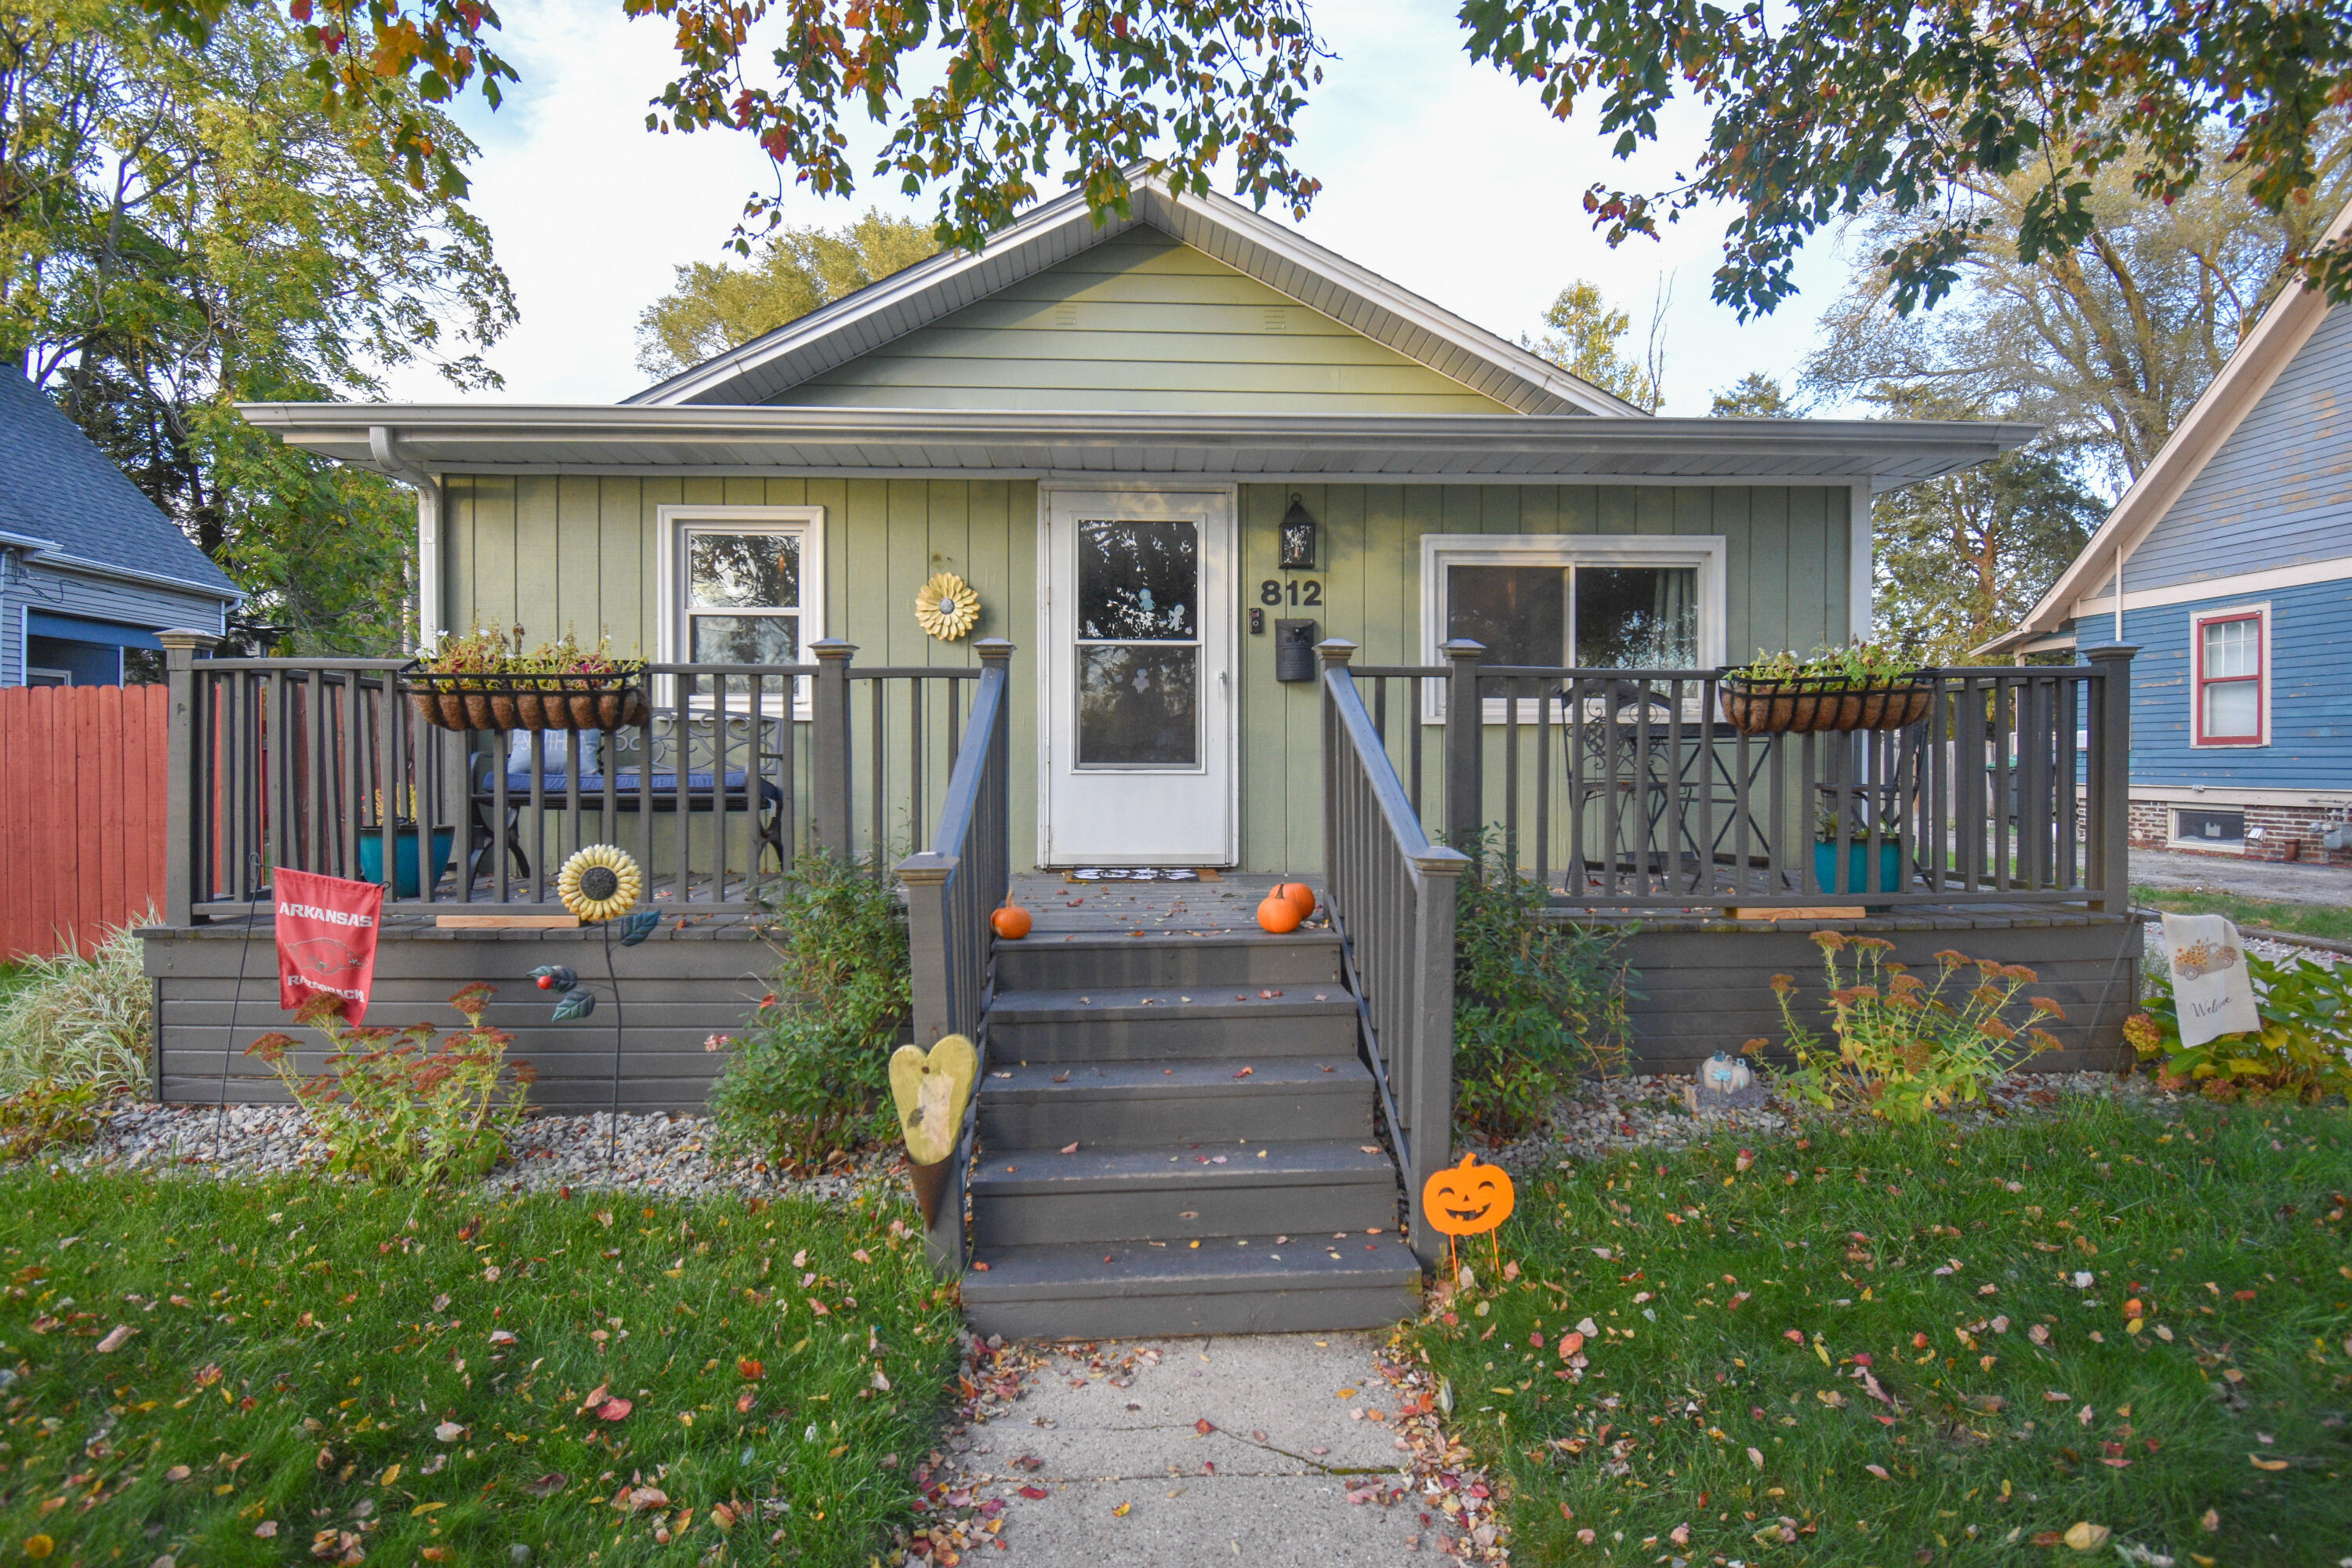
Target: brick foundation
{"type": "Point", "coordinates": [2272, 832]}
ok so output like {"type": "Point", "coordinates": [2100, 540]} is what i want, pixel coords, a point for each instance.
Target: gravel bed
{"type": "Point", "coordinates": [2260, 946]}
{"type": "Point", "coordinates": [1647, 1112]}
{"type": "Point", "coordinates": [658, 1154]}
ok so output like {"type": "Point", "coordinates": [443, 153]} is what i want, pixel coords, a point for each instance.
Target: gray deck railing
{"type": "Point", "coordinates": [735, 770]}
{"type": "Point", "coordinates": [1391, 896]}
{"type": "Point", "coordinates": [1629, 789]}
{"type": "Point", "coordinates": [952, 887]}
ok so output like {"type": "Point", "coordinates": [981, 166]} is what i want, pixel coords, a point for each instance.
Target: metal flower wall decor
{"type": "Point", "coordinates": [947, 607]}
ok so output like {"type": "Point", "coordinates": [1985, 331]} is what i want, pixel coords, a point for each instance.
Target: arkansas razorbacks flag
{"type": "Point", "coordinates": [325, 940]}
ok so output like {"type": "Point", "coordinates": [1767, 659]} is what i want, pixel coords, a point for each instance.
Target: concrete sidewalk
{"type": "Point", "coordinates": [1179, 1453]}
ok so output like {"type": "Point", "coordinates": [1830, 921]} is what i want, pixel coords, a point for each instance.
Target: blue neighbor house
{"type": "Point", "coordinates": [2229, 561]}
{"type": "Point", "coordinates": [91, 569]}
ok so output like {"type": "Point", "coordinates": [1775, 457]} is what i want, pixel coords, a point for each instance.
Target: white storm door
{"type": "Point", "coordinates": [1139, 697]}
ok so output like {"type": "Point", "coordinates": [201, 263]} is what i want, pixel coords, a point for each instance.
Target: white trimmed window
{"type": "Point", "coordinates": [741, 584]}
{"type": "Point", "coordinates": [2230, 658]}
{"type": "Point", "coordinates": [1584, 601]}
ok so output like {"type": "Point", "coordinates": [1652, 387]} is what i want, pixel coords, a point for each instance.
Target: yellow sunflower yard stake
{"type": "Point", "coordinates": [600, 885]}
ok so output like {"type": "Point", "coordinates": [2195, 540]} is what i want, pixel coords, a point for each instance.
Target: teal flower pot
{"type": "Point", "coordinates": [404, 859]}
{"type": "Point", "coordinates": [1857, 867]}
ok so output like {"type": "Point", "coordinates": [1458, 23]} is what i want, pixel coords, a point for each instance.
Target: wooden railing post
{"type": "Point", "coordinates": [1429, 1113]}
{"type": "Point", "coordinates": [181, 856]}
{"type": "Point", "coordinates": [1466, 739]}
{"type": "Point", "coordinates": [829, 766]}
{"type": "Point", "coordinates": [1335, 653]}
{"type": "Point", "coordinates": [931, 967]}
{"type": "Point", "coordinates": [2109, 829]}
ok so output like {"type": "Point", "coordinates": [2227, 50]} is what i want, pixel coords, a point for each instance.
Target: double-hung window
{"type": "Point", "coordinates": [2230, 653]}
{"type": "Point", "coordinates": [741, 584]}
{"type": "Point", "coordinates": [1585, 601]}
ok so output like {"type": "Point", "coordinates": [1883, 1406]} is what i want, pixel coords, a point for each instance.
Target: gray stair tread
{"type": "Point", "coordinates": [1179, 938]}
{"type": "Point", "coordinates": [1206, 1000]}
{"type": "Point", "coordinates": [1080, 1270]}
{"type": "Point", "coordinates": [1316, 1163]}
{"type": "Point", "coordinates": [1068, 1082]}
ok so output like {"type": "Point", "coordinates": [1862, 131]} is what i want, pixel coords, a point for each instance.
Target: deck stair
{"type": "Point", "coordinates": [1226, 1177]}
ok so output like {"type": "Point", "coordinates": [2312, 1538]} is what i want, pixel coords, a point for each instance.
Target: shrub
{"type": "Point", "coordinates": [1904, 1046]}
{"type": "Point", "coordinates": [397, 1106]}
{"type": "Point", "coordinates": [811, 1072]}
{"type": "Point", "coordinates": [1856, 664]}
{"type": "Point", "coordinates": [2297, 1054]}
{"type": "Point", "coordinates": [1536, 1001]}
{"type": "Point", "coordinates": [46, 1113]}
{"type": "Point", "coordinates": [72, 1021]}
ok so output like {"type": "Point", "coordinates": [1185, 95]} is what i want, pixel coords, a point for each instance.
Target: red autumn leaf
{"type": "Point", "coordinates": [750, 1368]}
{"type": "Point", "coordinates": [1203, 1427]}
{"type": "Point", "coordinates": [614, 1410]}
{"type": "Point", "coordinates": [1036, 1494]}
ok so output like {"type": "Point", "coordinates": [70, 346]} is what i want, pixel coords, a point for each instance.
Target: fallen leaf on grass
{"type": "Point", "coordinates": [448, 1431]}
{"type": "Point", "coordinates": [38, 1546]}
{"type": "Point", "coordinates": [1878, 1471]}
{"type": "Point", "coordinates": [2262, 1464]}
{"type": "Point", "coordinates": [2085, 1536]}
{"type": "Point", "coordinates": [638, 1499]}
{"type": "Point", "coordinates": [266, 1529]}
{"type": "Point", "coordinates": [113, 1341]}
{"type": "Point", "coordinates": [177, 1473]}
{"type": "Point", "coordinates": [615, 1410]}
{"type": "Point", "coordinates": [547, 1484]}
{"type": "Point", "coordinates": [1756, 1457]}
{"type": "Point", "coordinates": [750, 1368]}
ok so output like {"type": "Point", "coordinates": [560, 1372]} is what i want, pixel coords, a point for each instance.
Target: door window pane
{"type": "Point", "coordinates": [1636, 617]}
{"type": "Point", "coordinates": [2234, 709]}
{"type": "Point", "coordinates": [1137, 706]}
{"type": "Point", "coordinates": [1518, 613]}
{"type": "Point", "coordinates": [745, 639]}
{"type": "Point", "coordinates": [1138, 581]}
{"type": "Point", "coordinates": [748, 570]}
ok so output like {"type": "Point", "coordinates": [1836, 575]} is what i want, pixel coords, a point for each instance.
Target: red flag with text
{"type": "Point", "coordinates": [325, 940]}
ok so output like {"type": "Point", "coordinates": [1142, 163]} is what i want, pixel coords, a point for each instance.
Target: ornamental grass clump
{"type": "Point", "coordinates": [397, 1105]}
{"type": "Point", "coordinates": [1903, 1047]}
{"type": "Point", "coordinates": [75, 1021]}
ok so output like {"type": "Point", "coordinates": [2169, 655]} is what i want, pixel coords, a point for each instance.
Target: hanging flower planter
{"type": "Point", "coordinates": [1857, 688]}
{"type": "Point", "coordinates": [475, 683]}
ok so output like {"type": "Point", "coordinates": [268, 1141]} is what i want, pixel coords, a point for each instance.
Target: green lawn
{"type": "Point", "coordinates": [316, 1372]}
{"type": "Point", "coordinates": [2308, 920]}
{"type": "Point", "coordinates": [1842, 1337]}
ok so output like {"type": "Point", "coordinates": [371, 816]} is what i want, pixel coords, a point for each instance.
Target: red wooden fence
{"type": "Point", "coordinates": [82, 773]}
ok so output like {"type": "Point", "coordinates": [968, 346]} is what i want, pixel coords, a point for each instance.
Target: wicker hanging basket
{"type": "Point", "coordinates": [1812, 705]}
{"type": "Point", "coordinates": [470, 701]}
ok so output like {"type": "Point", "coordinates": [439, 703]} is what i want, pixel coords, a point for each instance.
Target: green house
{"type": "Point", "coordinates": [1169, 453]}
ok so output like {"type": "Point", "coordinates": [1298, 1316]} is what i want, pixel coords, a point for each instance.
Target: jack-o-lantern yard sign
{"type": "Point", "coordinates": [1468, 1198]}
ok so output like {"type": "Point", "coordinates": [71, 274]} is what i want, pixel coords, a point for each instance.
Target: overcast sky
{"type": "Point", "coordinates": [1440, 175]}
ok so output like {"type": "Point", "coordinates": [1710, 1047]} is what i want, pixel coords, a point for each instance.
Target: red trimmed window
{"type": "Point", "coordinates": [2229, 655]}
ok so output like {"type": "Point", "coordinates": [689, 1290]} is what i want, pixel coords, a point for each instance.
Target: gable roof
{"type": "Point", "coordinates": [67, 506]}
{"type": "Point", "coordinates": [2261, 356]}
{"type": "Point", "coordinates": [1251, 243]}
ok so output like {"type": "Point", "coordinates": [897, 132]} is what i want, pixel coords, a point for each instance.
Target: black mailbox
{"type": "Point", "coordinates": [1294, 650]}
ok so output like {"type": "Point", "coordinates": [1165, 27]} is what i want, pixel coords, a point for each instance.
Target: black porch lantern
{"type": "Point", "coordinates": [1297, 537]}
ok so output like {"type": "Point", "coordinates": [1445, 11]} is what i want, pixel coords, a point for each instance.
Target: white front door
{"type": "Point", "coordinates": [1138, 736]}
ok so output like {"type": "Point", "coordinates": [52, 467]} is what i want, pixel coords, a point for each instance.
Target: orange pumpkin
{"type": "Point", "coordinates": [1277, 914]}
{"type": "Point", "coordinates": [1468, 1198]}
{"type": "Point", "coordinates": [1010, 922]}
{"type": "Point", "coordinates": [1301, 896]}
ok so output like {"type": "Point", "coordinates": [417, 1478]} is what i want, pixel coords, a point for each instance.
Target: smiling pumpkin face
{"type": "Point", "coordinates": [1468, 1199]}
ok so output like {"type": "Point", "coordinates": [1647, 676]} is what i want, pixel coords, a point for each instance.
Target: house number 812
{"type": "Point", "coordinates": [1308, 592]}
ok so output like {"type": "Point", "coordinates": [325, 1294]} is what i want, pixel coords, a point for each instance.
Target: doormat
{"type": "Point", "coordinates": [1139, 874]}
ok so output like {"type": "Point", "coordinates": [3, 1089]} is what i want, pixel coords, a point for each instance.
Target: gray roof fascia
{"type": "Point", "coordinates": [1217, 226]}
{"type": "Point", "coordinates": [62, 560]}
{"type": "Point", "coordinates": [448, 438]}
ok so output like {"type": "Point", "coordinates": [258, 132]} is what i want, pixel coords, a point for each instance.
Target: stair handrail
{"type": "Point", "coordinates": [952, 888]}
{"type": "Point", "coordinates": [1392, 895]}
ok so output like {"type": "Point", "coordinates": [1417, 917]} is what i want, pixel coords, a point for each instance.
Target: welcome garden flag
{"type": "Point", "coordinates": [2209, 980]}
{"type": "Point", "coordinates": [325, 940]}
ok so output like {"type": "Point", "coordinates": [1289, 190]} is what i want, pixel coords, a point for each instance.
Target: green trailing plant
{"type": "Point", "coordinates": [2298, 1054]}
{"type": "Point", "coordinates": [400, 1106]}
{"type": "Point", "coordinates": [1900, 1047]}
{"type": "Point", "coordinates": [809, 1072]}
{"type": "Point", "coordinates": [1536, 1001]}
{"type": "Point", "coordinates": [46, 1115]}
{"type": "Point", "coordinates": [1855, 663]}
{"type": "Point", "coordinates": [71, 1020]}
{"type": "Point", "coordinates": [488, 653]}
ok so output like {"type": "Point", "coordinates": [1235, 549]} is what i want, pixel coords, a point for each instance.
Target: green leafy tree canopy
{"type": "Point", "coordinates": [1582, 338]}
{"type": "Point", "coordinates": [712, 308]}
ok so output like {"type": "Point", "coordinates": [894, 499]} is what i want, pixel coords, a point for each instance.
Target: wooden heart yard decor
{"type": "Point", "coordinates": [1468, 1199]}
{"type": "Point", "coordinates": [929, 1090]}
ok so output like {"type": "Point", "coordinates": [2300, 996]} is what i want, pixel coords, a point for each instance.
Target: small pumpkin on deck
{"type": "Point", "coordinates": [1011, 923]}
{"type": "Point", "coordinates": [1301, 896]}
{"type": "Point", "coordinates": [1277, 914]}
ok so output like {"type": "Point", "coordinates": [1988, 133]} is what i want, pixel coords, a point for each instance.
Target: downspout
{"type": "Point", "coordinates": [384, 445]}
